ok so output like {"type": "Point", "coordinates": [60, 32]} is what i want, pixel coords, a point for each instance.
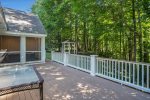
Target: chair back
{"type": "Point", "coordinates": [2, 54]}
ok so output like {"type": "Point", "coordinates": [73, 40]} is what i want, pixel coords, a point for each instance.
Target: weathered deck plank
{"type": "Point", "coordinates": [66, 83]}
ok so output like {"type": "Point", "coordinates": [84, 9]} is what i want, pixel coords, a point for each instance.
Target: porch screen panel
{"type": "Point", "coordinates": [12, 45]}
{"type": "Point", "coordinates": [33, 49]}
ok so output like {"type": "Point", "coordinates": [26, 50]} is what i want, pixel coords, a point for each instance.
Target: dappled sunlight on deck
{"type": "Point", "coordinates": [65, 83]}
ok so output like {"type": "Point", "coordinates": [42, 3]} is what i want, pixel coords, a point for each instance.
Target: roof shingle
{"type": "Point", "coordinates": [19, 21]}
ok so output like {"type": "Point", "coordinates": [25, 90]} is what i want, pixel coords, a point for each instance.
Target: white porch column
{"type": "Point", "coordinates": [23, 49]}
{"type": "Point", "coordinates": [43, 49]}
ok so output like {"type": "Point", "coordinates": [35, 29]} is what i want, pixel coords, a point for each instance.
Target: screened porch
{"type": "Point", "coordinates": [20, 49]}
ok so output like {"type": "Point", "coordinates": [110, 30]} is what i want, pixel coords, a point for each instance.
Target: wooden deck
{"type": "Point", "coordinates": [65, 83]}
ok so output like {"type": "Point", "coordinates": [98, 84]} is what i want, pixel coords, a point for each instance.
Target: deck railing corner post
{"type": "Point", "coordinates": [65, 59]}
{"type": "Point", "coordinates": [93, 64]}
{"type": "Point", "coordinates": [52, 52]}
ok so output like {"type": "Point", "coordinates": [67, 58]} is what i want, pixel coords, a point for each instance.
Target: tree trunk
{"type": "Point", "coordinates": [95, 33]}
{"type": "Point", "coordinates": [59, 41]}
{"type": "Point", "coordinates": [140, 34]}
{"type": "Point", "coordinates": [146, 54]}
{"type": "Point", "coordinates": [134, 27]}
{"type": "Point", "coordinates": [130, 47]}
{"type": "Point", "coordinates": [76, 31]}
{"type": "Point", "coordinates": [84, 36]}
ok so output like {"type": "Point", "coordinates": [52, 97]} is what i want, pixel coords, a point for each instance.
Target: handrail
{"type": "Point", "coordinates": [124, 61]}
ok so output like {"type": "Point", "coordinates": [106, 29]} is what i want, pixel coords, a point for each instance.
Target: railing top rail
{"type": "Point", "coordinates": [100, 58]}
{"type": "Point", "coordinates": [142, 63]}
{"type": "Point", "coordinates": [58, 52]}
{"type": "Point", "coordinates": [80, 55]}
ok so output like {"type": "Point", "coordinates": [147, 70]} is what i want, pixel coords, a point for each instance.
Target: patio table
{"type": "Point", "coordinates": [20, 78]}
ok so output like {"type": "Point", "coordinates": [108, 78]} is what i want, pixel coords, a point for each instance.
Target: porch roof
{"type": "Point", "coordinates": [22, 22]}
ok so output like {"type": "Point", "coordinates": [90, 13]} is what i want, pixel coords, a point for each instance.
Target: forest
{"type": "Point", "coordinates": [118, 29]}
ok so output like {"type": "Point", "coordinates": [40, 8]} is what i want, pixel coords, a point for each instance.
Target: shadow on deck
{"type": "Point", "coordinates": [65, 83]}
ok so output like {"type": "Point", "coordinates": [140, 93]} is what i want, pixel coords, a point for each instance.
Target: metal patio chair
{"type": "Point", "coordinates": [2, 54]}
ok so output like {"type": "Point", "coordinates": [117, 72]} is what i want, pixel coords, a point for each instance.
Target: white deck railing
{"type": "Point", "coordinates": [79, 61]}
{"type": "Point", "coordinates": [58, 57]}
{"type": "Point", "coordinates": [129, 73]}
{"type": "Point", "coordinates": [133, 74]}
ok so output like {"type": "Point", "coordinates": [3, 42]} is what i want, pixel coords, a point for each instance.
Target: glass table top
{"type": "Point", "coordinates": [17, 75]}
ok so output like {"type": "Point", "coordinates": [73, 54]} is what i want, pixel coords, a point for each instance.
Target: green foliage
{"type": "Point", "coordinates": [48, 56]}
{"type": "Point", "coordinates": [103, 27]}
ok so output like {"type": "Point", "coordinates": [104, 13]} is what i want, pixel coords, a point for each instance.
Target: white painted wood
{"type": "Point", "coordinates": [122, 71]}
{"type": "Point", "coordinates": [109, 68]}
{"type": "Point", "coordinates": [104, 68]}
{"type": "Point", "coordinates": [133, 73]}
{"type": "Point", "coordinates": [107, 71]}
{"type": "Point", "coordinates": [43, 51]}
{"type": "Point", "coordinates": [115, 69]}
{"type": "Point", "coordinates": [112, 68]}
{"type": "Point", "coordinates": [119, 70]}
{"type": "Point", "coordinates": [65, 59]}
{"type": "Point", "coordinates": [142, 75]}
{"type": "Point", "coordinates": [23, 34]}
{"type": "Point", "coordinates": [147, 76]}
{"type": "Point", "coordinates": [126, 72]}
{"type": "Point", "coordinates": [22, 49]}
{"type": "Point", "coordinates": [77, 61]}
{"type": "Point", "coordinates": [138, 74]}
{"type": "Point", "coordinates": [52, 53]}
{"type": "Point", "coordinates": [93, 64]}
{"type": "Point", "coordinates": [86, 63]}
{"type": "Point", "coordinates": [129, 72]}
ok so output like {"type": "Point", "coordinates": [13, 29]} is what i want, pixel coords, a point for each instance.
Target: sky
{"type": "Point", "coordinates": [24, 5]}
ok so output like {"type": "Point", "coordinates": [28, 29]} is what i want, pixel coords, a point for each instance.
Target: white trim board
{"type": "Point", "coordinates": [9, 33]}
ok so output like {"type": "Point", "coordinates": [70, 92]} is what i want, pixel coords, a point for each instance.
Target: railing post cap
{"type": "Point", "coordinates": [66, 53]}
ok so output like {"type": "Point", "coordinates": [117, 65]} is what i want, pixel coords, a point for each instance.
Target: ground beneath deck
{"type": "Point", "coordinates": [66, 83]}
